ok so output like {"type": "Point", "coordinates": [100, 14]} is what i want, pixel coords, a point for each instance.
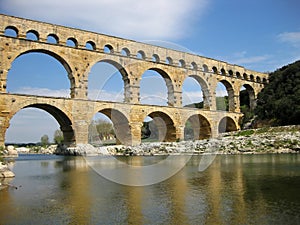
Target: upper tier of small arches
{"type": "Point", "coordinates": [126, 48]}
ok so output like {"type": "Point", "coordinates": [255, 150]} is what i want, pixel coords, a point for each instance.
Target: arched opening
{"type": "Point", "coordinates": [247, 103]}
{"type": "Point", "coordinates": [181, 63]}
{"type": "Point", "coordinates": [11, 31]}
{"type": "Point", "coordinates": [125, 52]}
{"type": "Point", "coordinates": [52, 39]}
{"type": "Point", "coordinates": [169, 61]}
{"type": "Point", "coordinates": [195, 93]}
{"type": "Point", "coordinates": [158, 126]}
{"type": "Point", "coordinates": [72, 42]}
{"type": "Point", "coordinates": [215, 70]}
{"type": "Point", "coordinates": [224, 96]}
{"type": "Point", "coordinates": [155, 58]}
{"type": "Point", "coordinates": [227, 124]}
{"type": "Point", "coordinates": [32, 35]}
{"type": "Point", "coordinates": [109, 126]}
{"type": "Point", "coordinates": [141, 55]}
{"type": "Point", "coordinates": [107, 81]}
{"type": "Point", "coordinates": [194, 66]}
{"type": "Point", "coordinates": [90, 45]}
{"type": "Point", "coordinates": [39, 73]}
{"type": "Point", "coordinates": [34, 121]}
{"type": "Point", "coordinates": [197, 127]}
{"type": "Point", "coordinates": [108, 49]}
{"type": "Point", "coordinates": [258, 80]}
{"type": "Point", "coordinates": [156, 88]}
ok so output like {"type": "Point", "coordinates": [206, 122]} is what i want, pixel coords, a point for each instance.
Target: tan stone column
{"type": "Point", "coordinates": [135, 133]}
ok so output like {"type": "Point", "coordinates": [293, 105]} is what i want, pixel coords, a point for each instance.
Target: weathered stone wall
{"type": "Point", "coordinates": [132, 59]}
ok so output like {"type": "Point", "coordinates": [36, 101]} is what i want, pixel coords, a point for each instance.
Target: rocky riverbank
{"type": "Point", "coordinates": [264, 140]}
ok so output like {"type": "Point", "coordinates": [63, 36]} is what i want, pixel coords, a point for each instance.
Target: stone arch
{"type": "Point", "coordinates": [230, 91]}
{"type": "Point", "coordinates": [108, 49]}
{"type": "Point", "coordinates": [205, 90]}
{"type": "Point", "coordinates": [32, 35]}
{"type": "Point", "coordinates": [125, 52]}
{"type": "Point", "coordinates": [168, 83]}
{"type": "Point", "coordinates": [169, 61]}
{"type": "Point", "coordinates": [251, 96]}
{"type": "Point", "coordinates": [90, 45]}
{"type": "Point", "coordinates": [197, 127]}
{"type": "Point", "coordinates": [194, 66]}
{"type": "Point", "coordinates": [120, 124]}
{"type": "Point", "coordinates": [122, 71]}
{"type": "Point", "coordinates": [227, 124]}
{"type": "Point", "coordinates": [56, 56]}
{"type": "Point", "coordinates": [155, 58]}
{"type": "Point", "coordinates": [165, 126]}
{"type": "Point", "coordinates": [11, 31]}
{"type": "Point", "coordinates": [181, 63]}
{"type": "Point", "coordinates": [52, 39]}
{"type": "Point", "coordinates": [60, 116]}
{"type": "Point", "coordinates": [72, 42]}
{"type": "Point", "coordinates": [141, 55]}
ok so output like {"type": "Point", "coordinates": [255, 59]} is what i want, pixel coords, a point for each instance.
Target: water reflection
{"type": "Point", "coordinates": [245, 189]}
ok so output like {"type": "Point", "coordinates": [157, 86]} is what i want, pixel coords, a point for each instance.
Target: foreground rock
{"type": "Point", "coordinates": [270, 140]}
{"type": "Point", "coordinates": [5, 172]}
{"type": "Point", "coordinates": [10, 152]}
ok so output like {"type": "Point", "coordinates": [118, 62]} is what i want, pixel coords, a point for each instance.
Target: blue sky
{"type": "Point", "coordinates": [262, 35]}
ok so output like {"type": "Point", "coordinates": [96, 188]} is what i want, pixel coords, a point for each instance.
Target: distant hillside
{"type": "Point", "coordinates": [279, 101]}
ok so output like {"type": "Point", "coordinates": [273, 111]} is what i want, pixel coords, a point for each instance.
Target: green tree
{"type": "Point", "coordinates": [58, 137]}
{"type": "Point", "coordinates": [279, 101]}
{"type": "Point", "coordinates": [44, 140]}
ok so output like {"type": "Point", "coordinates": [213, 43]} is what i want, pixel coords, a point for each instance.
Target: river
{"type": "Point", "coordinates": [234, 189]}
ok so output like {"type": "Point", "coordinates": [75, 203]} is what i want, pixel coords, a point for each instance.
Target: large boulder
{"type": "Point", "coordinates": [12, 152]}
{"type": "Point", "coordinates": [5, 172]}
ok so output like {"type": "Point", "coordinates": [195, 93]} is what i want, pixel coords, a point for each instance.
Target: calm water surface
{"type": "Point", "coordinates": [242, 189]}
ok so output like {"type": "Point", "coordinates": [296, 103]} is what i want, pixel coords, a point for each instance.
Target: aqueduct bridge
{"type": "Point", "coordinates": [132, 59]}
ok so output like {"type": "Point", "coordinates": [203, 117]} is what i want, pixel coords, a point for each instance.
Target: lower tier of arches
{"type": "Point", "coordinates": [74, 117]}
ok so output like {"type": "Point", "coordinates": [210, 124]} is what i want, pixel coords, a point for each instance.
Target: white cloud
{"type": "Point", "coordinates": [138, 19]}
{"type": "Point", "coordinates": [43, 92]}
{"type": "Point", "coordinates": [29, 125]}
{"type": "Point", "coordinates": [251, 59]}
{"type": "Point", "coordinates": [290, 37]}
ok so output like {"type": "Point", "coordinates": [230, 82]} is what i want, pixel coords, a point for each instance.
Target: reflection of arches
{"type": "Point", "coordinates": [121, 125]}
{"type": "Point", "coordinates": [165, 126]}
{"type": "Point", "coordinates": [227, 124]}
{"type": "Point", "coordinates": [107, 78]}
{"type": "Point", "coordinates": [62, 119]}
{"type": "Point", "coordinates": [204, 89]}
{"type": "Point", "coordinates": [57, 58]}
{"type": "Point", "coordinates": [197, 127]}
{"type": "Point", "coordinates": [168, 83]}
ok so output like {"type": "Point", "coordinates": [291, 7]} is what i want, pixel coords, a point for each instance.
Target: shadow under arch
{"type": "Point", "coordinates": [230, 92]}
{"type": "Point", "coordinates": [197, 127]}
{"type": "Point", "coordinates": [120, 69]}
{"type": "Point", "coordinates": [120, 124]}
{"type": "Point", "coordinates": [250, 98]}
{"type": "Point", "coordinates": [165, 126]}
{"type": "Point", "coordinates": [62, 119]}
{"type": "Point", "coordinates": [59, 58]}
{"type": "Point", "coordinates": [168, 83]}
{"type": "Point", "coordinates": [227, 124]}
{"type": "Point", "coordinates": [204, 88]}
